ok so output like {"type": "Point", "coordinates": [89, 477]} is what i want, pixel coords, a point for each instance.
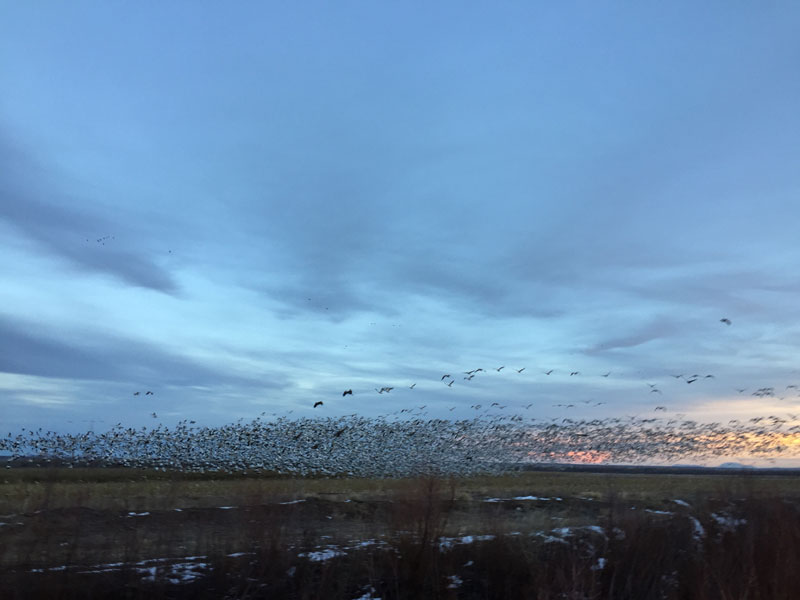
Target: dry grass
{"type": "Point", "coordinates": [62, 525]}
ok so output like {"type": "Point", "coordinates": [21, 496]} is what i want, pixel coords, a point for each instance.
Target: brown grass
{"type": "Point", "coordinates": [62, 527]}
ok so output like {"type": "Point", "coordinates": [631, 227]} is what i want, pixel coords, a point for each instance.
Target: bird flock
{"type": "Point", "coordinates": [409, 445]}
{"type": "Point", "coordinates": [406, 442]}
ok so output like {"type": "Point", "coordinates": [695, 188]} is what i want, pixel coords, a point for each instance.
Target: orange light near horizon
{"type": "Point", "coordinates": [586, 457]}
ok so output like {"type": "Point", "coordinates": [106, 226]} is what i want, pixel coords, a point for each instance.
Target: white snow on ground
{"type": "Point", "coordinates": [455, 582]}
{"type": "Point", "coordinates": [658, 512]}
{"type": "Point", "coordinates": [682, 503]}
{"type": "Point", "coordinates": [175, 573]}
{"type": "Point", "coordinates": [448, 542]}
{"type": "Point", "coordinates": [322, 555]}
{"type": "Point", "coordinates": [599, 565]}
{"type": "Point", "coordinates": [226, 507]}
{"type": "Point", "coordinates": [699, 533]}
{"type": "Point", "coordinates": [544, 498]}
{"type": "Point", "coordinates": [293, 501]}
{"type": "Point", "coordinates": [368, 595]}
{"type": "Point", "coordinates": [596, 529]}
{"type": "Point", "coordinates": [558, 534]}
{"type": "Point", "coordinates": [135, 514]}
{"type": "Point", "coordinates": [727, 522]}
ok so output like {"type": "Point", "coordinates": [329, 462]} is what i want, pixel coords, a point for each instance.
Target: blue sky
{"type": "Point", "coordinates": [291, 201]}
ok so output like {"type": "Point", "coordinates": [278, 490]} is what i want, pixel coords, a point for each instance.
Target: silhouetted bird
{"type": "Point", "coordinates": [317, 403]}
{"type": "Point", "coordinates": [445, 376]}
{"type": "Point", "coordinates": [500, 368]}
{"type": "Point", "coordinates": [520, 370]}
{"type": "Point", "coordinates": [726, 321]}
{"type": "Point", "coordinates": [548, 372]}
{"type": "Point", "coordinates": [411, 387]}
{"type": "Point", "coordinates": [574, 373]}
{"type": "Point", "coordinates": [346, 392]}
{"type": "Point", "coordinates": [148, 393]}
{"type": "Point", "coordinates": [450, 384]}
{"type": "Point", "coordinates": [136, 393]}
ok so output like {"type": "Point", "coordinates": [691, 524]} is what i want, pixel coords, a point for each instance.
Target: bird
{"type": "Point", "coordinates": [445, 376]}
{"type": "Point", "coordinates": [136, 393]}
{"type": "Point", "coordinates": [500, 368]}
{"type": "Point", "coordinates": [317, 403]}
{"type": "Point", "coordinates": [606, 374]}
{"type": "Point", "coordinates": [548, 372]}
{"type": "Point", "coordinates": [411, 387]}
{"type": "Point", "coordinates": [148, 393]}
{"type": "Point", "coordinates": [726, 321]}
{"type": "Point", "coordinates": [450, 384]}
{"type": "Point", "coordinates": [574, 373]}
{"type": "Point", "coordinates": [520, 370]}
{"type": "Point", "coordinates": [345, 393]}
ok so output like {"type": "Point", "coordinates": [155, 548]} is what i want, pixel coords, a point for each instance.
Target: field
{"type": "Point", "coordinates": [125, 533]}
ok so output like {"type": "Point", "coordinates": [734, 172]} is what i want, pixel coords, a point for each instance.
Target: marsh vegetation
{"type": "Point", "coordinates": [117, 533]}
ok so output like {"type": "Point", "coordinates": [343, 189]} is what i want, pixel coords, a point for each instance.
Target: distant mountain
{"type": "Point", "coordinates": [735, 465]}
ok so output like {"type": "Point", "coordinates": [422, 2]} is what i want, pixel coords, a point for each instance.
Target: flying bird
{"type": "Point", "coordinates": [548, 372]}
{"type": "Point", "coordinates": [148, 393]}
{"type": "Point", "coordinates": [520, 370]}
{"type": "Point", "coordinates": [136, 393]}
{"type": "Point", "coordinates": [606, 374]}
{"type": "Point", "coordinates": [726, 321]}
{"type": "Point", "coordinates": [445, 376]}
{"type": "Point", "coordinates": [500, 368]}
{"type": "Point", "coordinates": [411, 387]}
{"type": "Point", "coordinates": [574, 373]}
{"type": "Point", "coordinates": [451, 383]}
{"type": "Point", "coordinates": [317, 403]}
{"type": "Point", "coordinates": [345, 393]}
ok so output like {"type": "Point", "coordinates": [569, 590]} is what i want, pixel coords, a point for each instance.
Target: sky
{"type": "Point", "coordinates": [251, 208]}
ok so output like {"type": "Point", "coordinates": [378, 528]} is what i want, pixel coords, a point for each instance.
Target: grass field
{"type": "Point", "coordinates": [123, 533]}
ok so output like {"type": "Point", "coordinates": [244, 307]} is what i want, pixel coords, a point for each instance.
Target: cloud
{"type": "Point", "coordinates": [35, 202]}
{"type": "Point", "coordinates": [29, 349]}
